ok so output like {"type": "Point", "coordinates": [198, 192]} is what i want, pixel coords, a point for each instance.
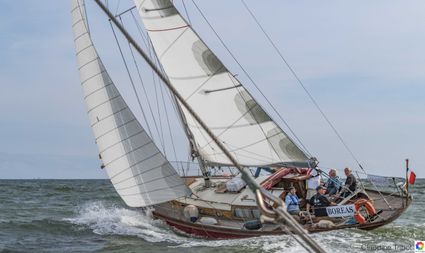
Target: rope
{"type": "Point", "coordinates": [140, 76]}
{"type": "Point", "coordinates": [168, 123]}
{"type": "Point", "coordinates": [306, 90]}
{"type": "Point", "coordinates": [128, 71]}
{"type": "Point", "coordinates": [250, 78]}
{"type": "Point", "coordinates": [187, 14]}
{"type": "Point", "coordinates": [134, 88]}
{"type": "Point", "coordinates": [118, 7]}
{"type": "Point", "coordinates": [300, 82]}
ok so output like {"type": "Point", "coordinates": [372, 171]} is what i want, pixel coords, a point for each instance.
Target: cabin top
{"type": "Point", "coordinates": [218, 197]}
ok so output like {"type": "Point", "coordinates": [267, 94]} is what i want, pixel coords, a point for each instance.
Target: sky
{"type": "Point", "coordinates": [363, 61]}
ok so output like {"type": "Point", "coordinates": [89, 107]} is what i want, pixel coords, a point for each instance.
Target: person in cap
{"type": "Point", "coordinates": [292, 201]}
{"type": "Point", "coordinates": [319, 202]}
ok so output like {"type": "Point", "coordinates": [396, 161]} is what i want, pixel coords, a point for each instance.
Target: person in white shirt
{"type": "Point", "coordinates": [312, 183]}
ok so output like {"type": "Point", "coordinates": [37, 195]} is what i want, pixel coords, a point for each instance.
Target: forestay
{"type": "Point", "coordinates": [215, 94]}
{"type": "Point", "coordinates": [138, 170]}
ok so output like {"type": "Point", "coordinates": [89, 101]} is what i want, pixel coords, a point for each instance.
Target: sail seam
{"type": "Point", "coordinates": [141, 173]}
{"type": "Point", "coordinates": [160, 9]}
{"type": "Point", "coordinates": [79, 52]}
{"type": "Point", "coordinates": [108, 100]}
{"type": "Point", "coordinates": [99, 89]}
{"type": "Point", "coordinates": [121, 141]}
{"type": "Point", "coordinates": [77, 7]}
{"type": "Point", "coordinates": [93, 76]}
{"type": "Point", "coordinates": [167, 29]}
{"type": "Point", "coordinates": [115, 128]}
{"type": "Point", "coordinates": [137, 163]}
{"type": "Point", "coordinates": [146, 182]}
{"type": "Point", "coordinates": [146, 192]}
{"type": "Point", "coordinates": [173, 43]}
{"type": "Point", "coordinates": [129, 152]}
{"type": "Point", "coordinates": [110, 115]}
{"type": "Point", "coordinates": [81, 35]}
{"type": "Point", "coordinates": [87, 63]}
{"type": "Point", "coordinates": [74, 24]}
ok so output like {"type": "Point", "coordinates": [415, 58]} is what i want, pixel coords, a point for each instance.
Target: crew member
{"type": "Point", "coordinates": [319, 202]}
{"type": "Point", "coordinates": [292, 201]}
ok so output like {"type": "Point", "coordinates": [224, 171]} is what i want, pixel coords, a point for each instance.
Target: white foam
{"type": "Point", "coordinates": [107, 219]}
{"type": "Point", "coordinates": [110, 220]}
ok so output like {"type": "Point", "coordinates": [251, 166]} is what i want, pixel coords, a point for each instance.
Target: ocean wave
{"type": "Point", "coordinates": [107, 219]}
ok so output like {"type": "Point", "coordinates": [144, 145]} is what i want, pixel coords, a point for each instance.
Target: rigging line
{"type": "Point", "coordinates": [149, 47]}
{"type": "Point", "coordinates": [157, 84]}
{"type": "Point", "coordinates": [118, 7]}
{"type": "Point", "coordinates": [134, 87]}
{"type": "Point", "coordinates": [154, 81]}
{"type": "Point", "coordinates": [187, 13]}
{"type": "Point", "coordinates": [86, 17]}
{"type": "Point", "coordinates": [173, 103]}
{"type": "Point", "coordinates": [139, 28]}
{"type": "Point", "coordinates": [301, 83]}
{"type": "Point", "coordinates": [236, 121]}
{"type": "Point", "coordinates": [146, 95]}
{"type": "Point", "coordinates": [168, 122]}
{"type": "Point", "coordinates": [252, 80]}
{"type": "Point", "coordinates": [237, 83]}
{"type": "Point", "coordinates": [128, 71]}
{"type": "Point", "coordinates": [167, 117]}
{"type": "Point", "coordinates": [124, 12]}
{"type": "Point", "coordinates": [309, 94]}
{"type": "Point", "coordinates": [140, 76]}
{"type": "Point", "coordinates": [158, 108]}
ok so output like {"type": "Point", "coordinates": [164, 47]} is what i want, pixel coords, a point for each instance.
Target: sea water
{"type": "Point", "coordinates": [89, 216]}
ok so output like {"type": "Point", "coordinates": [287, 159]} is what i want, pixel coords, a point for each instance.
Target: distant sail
{"type": "Point", "coordinates": [213, 92]}
{"type": "Point", "coordinates": [138, 170]}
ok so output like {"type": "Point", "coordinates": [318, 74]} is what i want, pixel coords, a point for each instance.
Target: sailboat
{"type": "Point", "coordinates": [225, 127]}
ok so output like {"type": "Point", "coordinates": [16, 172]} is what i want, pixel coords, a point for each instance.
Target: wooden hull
{"type": "Point", "coordinates": [220, 232]}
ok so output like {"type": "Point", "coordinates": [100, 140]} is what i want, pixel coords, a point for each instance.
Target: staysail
{"type": "Point", "coordinates": [140, 173]}
{"type": "Point", "coordinates": [215, 94]}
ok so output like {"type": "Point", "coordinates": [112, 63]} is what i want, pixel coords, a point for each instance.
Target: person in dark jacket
{"type": "Point", "coordinates": [350, 185]}
{"type": "Point", "coordinates": [319, 202]}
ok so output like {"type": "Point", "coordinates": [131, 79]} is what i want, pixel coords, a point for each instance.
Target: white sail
{"type": "Point", "coordinates": [214, 93]}
{"type": "Point", "coordinates": [138, 170]}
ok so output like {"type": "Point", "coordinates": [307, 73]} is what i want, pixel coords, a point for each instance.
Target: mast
{"type": "Point", "coordinates": [277, 214]}
{"type": "Point", "coordinates": [194, 151]}
{"type": "Point", "coordinates": [193, 146]}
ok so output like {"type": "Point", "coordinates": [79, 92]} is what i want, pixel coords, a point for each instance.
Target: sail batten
{"type": "Point", "coordinates": [140, 173]}
{"type": "Point", "coordinates": [221, 101]}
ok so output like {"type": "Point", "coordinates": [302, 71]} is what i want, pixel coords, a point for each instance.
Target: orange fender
{"type": "Point", "coordinates": [370, 209]}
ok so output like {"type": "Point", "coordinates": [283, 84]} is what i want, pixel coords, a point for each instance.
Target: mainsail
{"type": "Point", "coordinates": [138, 170]}
{"type": "Point", "coordinates": [232, 114]}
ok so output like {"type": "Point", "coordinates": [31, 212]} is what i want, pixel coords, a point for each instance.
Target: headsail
{"type": "Point", "coordinates": [216, 95]}
{"type": "Point", "coordinates": [138, 170]}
